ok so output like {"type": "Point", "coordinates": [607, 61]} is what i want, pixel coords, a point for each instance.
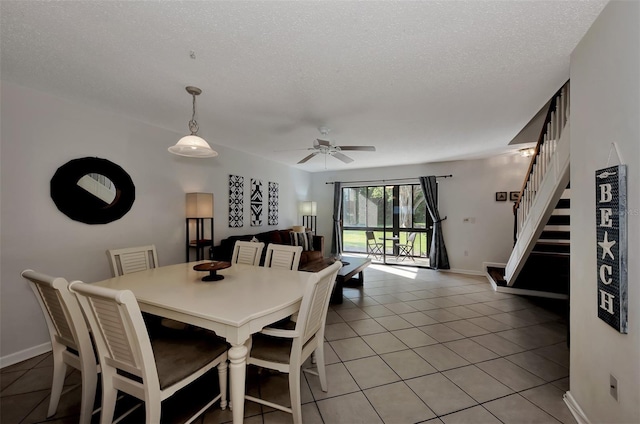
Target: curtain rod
{"type": "Point", "coordinates": [392, 179]}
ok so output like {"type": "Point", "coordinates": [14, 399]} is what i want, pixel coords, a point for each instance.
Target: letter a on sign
{"type": "Point", "coordinates": [611, 245]}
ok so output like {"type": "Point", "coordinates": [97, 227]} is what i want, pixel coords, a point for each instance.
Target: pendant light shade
{"type": "Point", "coordinates": [193, 145]}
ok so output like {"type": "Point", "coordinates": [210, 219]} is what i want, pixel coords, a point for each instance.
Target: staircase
{"type": "Point", "coordinates": [539, 262]}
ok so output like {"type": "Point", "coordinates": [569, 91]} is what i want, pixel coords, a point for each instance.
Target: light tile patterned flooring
{"type": "Point", "coordinates": [412, 345]}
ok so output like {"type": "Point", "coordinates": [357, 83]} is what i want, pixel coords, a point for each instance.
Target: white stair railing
{"type": "Point", "coordinates": [546, 179]}
{"type": "Point", "coordinates": [547, 145]}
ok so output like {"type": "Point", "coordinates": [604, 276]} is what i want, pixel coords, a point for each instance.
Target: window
{"type": "Point", "coordinates": [387, 210]}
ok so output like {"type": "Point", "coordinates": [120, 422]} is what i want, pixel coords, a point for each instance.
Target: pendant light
{"type": "Point", "coordinates": [193, 145]}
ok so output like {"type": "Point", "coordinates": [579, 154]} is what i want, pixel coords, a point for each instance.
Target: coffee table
{"type": "Point", "coordinates": [346, 276]}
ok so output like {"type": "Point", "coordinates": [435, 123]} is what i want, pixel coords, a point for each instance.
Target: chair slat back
{"type": "Point", "coordinates": [61, 310]}
{"type": "Point", "coordinates": [370, 236]}
{"type": "Point", "coordinates": [247, 252]}
{"type": "Point", "coordinates": [132, 259]}
{"type": "Point", "coordinates": [119, 330]}
{"type": "Point", "coordinates": [315, 301]}
{"type": "Point", "coordinates": [283, 256]}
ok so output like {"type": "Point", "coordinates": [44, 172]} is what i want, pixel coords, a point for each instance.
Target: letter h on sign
{"type": "Point", "coordinates": [611, 232]}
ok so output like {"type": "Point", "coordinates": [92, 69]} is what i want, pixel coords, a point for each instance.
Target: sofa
{"type": "Point", "coordinates": [224, 251]}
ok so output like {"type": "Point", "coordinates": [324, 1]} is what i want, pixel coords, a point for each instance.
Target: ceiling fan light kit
{"type": "Point", "coordinates": [327, 148]}
{"type": "Point", "coordinates": [193, 145]}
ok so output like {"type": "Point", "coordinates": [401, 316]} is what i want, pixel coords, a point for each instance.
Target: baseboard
{"type": "Point", "coordinates": [575, 409]}
{"type": "Point", "coordinates": [23, 355]}
{"type": "Point", "coordinates": [461, 271]}
{"type": "Point", "coordinates": [515, 290]}
{"type": "Point", "coordinates": [527, 292]}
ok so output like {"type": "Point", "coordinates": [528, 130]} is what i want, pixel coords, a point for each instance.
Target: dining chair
{"type": "Point", "coordinates": [247, 252]}
{"type": "Point", "coordinates": [406, 250]}
{"type": "Point", "coordinates": [374, 247]}
{"type": "Point", "coordinates": [150, 370]}
{"type": "Point", "coordinates": [70, 339]}
{"type": "Point", "coordinates": [132, 259]}
{"type": "Point", "coordinates": [285, 349]}
{"type": "Point", "coordinates": [283, 256]}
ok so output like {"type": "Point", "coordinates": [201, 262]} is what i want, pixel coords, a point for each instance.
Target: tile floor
{"type": "Point", "coordinates": [412, 345]}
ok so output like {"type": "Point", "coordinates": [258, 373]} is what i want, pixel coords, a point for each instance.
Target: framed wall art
{"type": "Point", "coordinates": [273, 204]}
{"type": "Point", "coordinates": [236, 201]}
{"type": "Point", "coordinates": [256, 202]}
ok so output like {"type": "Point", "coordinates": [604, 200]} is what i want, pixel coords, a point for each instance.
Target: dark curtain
{"type": "Point", "coordinates": [336, 240]}
{"type": "Point", "coordinates": [438, 258]}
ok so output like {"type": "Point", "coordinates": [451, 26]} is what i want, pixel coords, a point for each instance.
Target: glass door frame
{"type": "Point", "coordinates": [390, 192]}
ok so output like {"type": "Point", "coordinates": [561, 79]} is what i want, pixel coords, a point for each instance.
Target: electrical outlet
{"type": "Point", "coordinates": [613, 386]}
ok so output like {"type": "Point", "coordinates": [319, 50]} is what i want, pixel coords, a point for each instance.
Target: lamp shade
{"type": "Point", "coordinates": [199, 205]}
{"type": "Point", "coordinates": [193, 146]}
{"type": "Point", "coordinates": [308, 208]}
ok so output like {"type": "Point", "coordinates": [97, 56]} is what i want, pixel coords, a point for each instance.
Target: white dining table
{"type": "Point", "coordinates": [248, 299]}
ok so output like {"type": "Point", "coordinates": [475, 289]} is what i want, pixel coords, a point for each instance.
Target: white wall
{"type": "Point", "coordinates": [469, 193]}
{"type": "Point", "coordinates": [40, 133]}
{"type": "Point", "coordinates": [605, 97]}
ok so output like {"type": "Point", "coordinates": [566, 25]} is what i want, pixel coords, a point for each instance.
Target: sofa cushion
{"type": "Point", "coordinates": [285, 236]}
{"type": "Point", "coordinates": [302, 239]}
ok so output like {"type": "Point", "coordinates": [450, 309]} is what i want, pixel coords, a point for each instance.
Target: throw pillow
{"type": "Point", "coordinates": [302, 239]}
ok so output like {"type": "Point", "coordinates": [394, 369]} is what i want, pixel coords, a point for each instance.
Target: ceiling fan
{"type": "Point", "coordinates": [325, 147]}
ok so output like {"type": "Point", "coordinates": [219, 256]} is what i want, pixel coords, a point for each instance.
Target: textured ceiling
{"type": "Point", "coordinates": [422, 81]}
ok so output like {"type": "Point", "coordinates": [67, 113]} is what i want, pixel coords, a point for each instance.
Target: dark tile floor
{"type": "Point", "coordinates": [412, 345]}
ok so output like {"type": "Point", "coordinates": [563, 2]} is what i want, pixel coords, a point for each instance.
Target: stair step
{"type": "Point", "coordinates": [559, 220]}
{"type": "Point", "coordinates": [551, 254]}
{"type": "Point", "coordinates": [563, 204]}
{"type": "Point", "coordinates": [555, 235]}
{"type": "Point", "coordinates": [564, 228]}
{"type": "Point", "coordinates": [497, 274]}
{"type": "Point", "coordinates": [541, 247]}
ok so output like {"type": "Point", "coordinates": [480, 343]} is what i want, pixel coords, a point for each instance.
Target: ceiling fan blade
{"type": "Point", "coordinates": [308, 157]}
{"type": "Point", "coordinates": [361, 148]}
{"type": "Point", "coordinates": [343, 158]}
{"type": "Point", "coordinates": [320, 142]}
{"type": "Point", "coordinates": [293, 150]}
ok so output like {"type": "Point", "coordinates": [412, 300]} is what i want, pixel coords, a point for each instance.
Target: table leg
{"type": "Point", "coordinates": [237, 374]}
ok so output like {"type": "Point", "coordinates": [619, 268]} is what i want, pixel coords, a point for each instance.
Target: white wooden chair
{"type": "Point", "coordinates": [140, 258]}
{"type": "Point", "coordinates": [150, 370]}
{"type": "Point", "coordinates": [285, 350]}
{"type": "Point", "coordinates": [132, 259]}
{"type": "Point", "coordinates": [247, 252]}
{"type": "Point", "coordinates": [70, 340]}
{"type": "Point", "coordinates": [283, 256]}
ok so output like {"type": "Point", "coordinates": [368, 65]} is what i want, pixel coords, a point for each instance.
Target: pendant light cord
{"type": "Point", "coordinates": [193, 124]}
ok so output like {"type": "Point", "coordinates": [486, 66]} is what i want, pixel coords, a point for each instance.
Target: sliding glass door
{"type": "Point", "coordinates": [392, 212]}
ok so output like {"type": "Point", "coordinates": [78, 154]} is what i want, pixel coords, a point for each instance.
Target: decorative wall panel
{"type": "Point", "coordinates": [236, 200]}
{"type": "Point", "coordinates": [256, 202]}
{"type": "Point", "coordinates": [273, 204]}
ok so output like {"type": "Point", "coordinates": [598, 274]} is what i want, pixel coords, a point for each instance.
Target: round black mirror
{"type": "Point", "coordinates": [92, 190]}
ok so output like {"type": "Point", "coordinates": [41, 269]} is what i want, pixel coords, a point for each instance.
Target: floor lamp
{"type": "Point", "coordinates": [308, 210]}
{"type": "Point", "coordinates": [199, 209]}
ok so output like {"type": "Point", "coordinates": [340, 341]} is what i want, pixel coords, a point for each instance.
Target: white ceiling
{"type": "Point", "coordinates": [423, 81]}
